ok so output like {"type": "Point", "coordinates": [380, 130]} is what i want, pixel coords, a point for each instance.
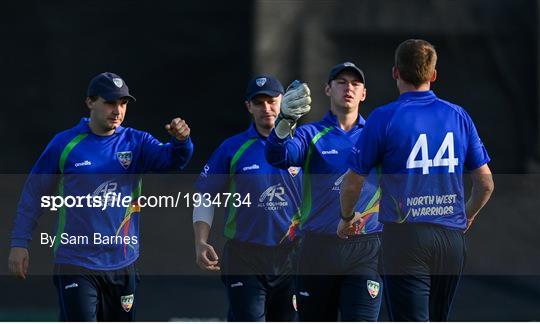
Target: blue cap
{"type": "Point", "coordinates": [108, 86]}
{"type": "Point", "coordinates": [264, 84]}
{"type": "Point", "coordinates": [346, 66]}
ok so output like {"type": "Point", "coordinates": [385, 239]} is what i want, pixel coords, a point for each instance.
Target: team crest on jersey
{"type": "Point", "coordinates": [293, 171]}
{"type": "Point", "coordinates": [124, 158]}
{"type": "Point", "coordinates": [127, 302]}
{"type": "Point", "coordinates": [260, 81]}
{"type": "Point", "coordinates": [118, 82]}
{"type": "Point", "coordinates": [373, 288]}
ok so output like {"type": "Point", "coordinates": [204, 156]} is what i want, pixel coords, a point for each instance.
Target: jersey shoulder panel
{"type": "Point", "coordinates": [309, 130]}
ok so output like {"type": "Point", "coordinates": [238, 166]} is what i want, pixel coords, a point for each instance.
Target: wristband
{"type": "Point", "coordinates": [347, 218]}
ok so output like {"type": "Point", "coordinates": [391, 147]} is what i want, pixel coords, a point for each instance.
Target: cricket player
{"type": "Point", "coordinates": [336, 276]}
{"type": "Point", "coordinates": [423, 145]}
{"type": "Point", "coordinates": [95, 248]}
{"type": "Point", "coordinates": [256, 264]}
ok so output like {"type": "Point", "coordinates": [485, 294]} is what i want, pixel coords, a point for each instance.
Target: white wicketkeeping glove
{"type": "Point", "coordinates": [295, 104]}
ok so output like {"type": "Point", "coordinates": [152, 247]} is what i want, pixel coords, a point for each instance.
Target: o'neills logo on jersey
{"type": "Point", "coordinates": [331, 152]}
{"type": "Point", "coordinates": [251, 167]}
{"type": "Point", "coordinates": [124, 158]}
{"type": "Point", "coordinates": [127, 302]}
{"type": "Point", "coordinates": [337, 183]}
{"type": "Point", "coordinates": [273, 198]}
{"type": "Point", "coordinates": [84, 163]}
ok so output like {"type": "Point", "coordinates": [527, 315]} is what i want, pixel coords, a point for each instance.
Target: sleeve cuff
{"type": "Point", "coordinates": [478, 164]}
{"type": "Point", "coordinates": [273, 138]}
{"type": "Point", "coordinates": [178, 143]}
{"type": "Point", "coordinates": [23, 243]}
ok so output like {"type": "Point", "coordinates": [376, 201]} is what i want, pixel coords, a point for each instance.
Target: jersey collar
{"type": "Point", "coordinates": [82, 127]}
{"type": "Point", "coordinates": [417, 95]}
{"type": "Point", "coordinates": [332, 119]}
{"type": "Point", "coordinates": [253, 133]}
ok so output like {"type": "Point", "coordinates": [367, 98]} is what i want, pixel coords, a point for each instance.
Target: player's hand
{"type": "Point", "coordinates": [296, 101]}
{"type": "Point", "coordinates": [295, 104]}
{"type": "Point", "coordinates": [18, 262]}
{"type": "Point", "coordinates": [206, 257]}
{"type": "Point", "coordinates": [469, 223]}
{"type": "Point", "coordinates": [347, 228]}
{"type": "Point", "coordinates": [178, 128]}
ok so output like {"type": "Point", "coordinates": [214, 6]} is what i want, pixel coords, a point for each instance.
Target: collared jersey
{"type": "Point", "coordinates": [238, 166]}
{"type": "Point", "coordinates": [322, 149]}
{"type": "Point", "coordinates": [423, 145]}
{"type": "Point", "coordinates": [78, 163]}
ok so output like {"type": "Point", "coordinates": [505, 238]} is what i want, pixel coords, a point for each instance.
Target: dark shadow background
{"type": "Point", "coordinates": [193, 59]}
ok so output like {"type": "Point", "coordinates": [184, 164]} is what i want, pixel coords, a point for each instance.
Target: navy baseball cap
{"type": "Point", "coordinates": [264, 84]}
{"type": "Point", "coordinates": [346, 66]}
{"type": "Point", "coordinates": [108, 86]}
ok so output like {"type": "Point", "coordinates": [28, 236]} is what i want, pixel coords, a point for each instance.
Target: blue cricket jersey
{"type": "Point", "coordinates": [238, 166]}
{"type": "Point", "coordinates": [423, 144]}
{"type": "Point", "coordinates": [322, 149]}
{"type": "Point", "coordinates": [79, 163]}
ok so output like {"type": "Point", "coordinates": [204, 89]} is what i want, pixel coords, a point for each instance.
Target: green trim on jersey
{"type": "Point", "coordinates": [230, 225]}
{"type": "Point", "coordinates": [61, 164]}
{"type": "Point", "coordinates": [69, 147]}
{"type": "Point", "coordinates": [305, 210]}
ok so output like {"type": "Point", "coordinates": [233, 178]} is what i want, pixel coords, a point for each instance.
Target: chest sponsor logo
{"type": "Point", "coordinates": [331, 152]}
{"type": "Point", "coordinates": [373, 288]}
{"type": "Point", "coordinates": [251, 167]}
{"type": "Point", "coordinates": [273, 198]}
{"type": "Point", "coordinates": [124, 158]}
{"type": "Point", "coordinates": [293, 171]}
{"type": "Point", "coordinates": [205, 170]}
{"type": "Point", "coordinates": [83, 163]}
{"type": "Point", "coordinates": [337, 183]}
{"type": "Point", "coordinates": [106, 191]}
{"type": "Point", "coordinates": [127, 302]}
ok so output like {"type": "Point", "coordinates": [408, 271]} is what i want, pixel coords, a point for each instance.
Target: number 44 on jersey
{"type": "Point", "coordinates": [421, 146]}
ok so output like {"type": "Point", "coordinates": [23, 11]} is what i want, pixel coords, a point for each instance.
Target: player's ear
{"type": "Point", "coordinates": [363, 94]}
{"type": "Point", "coordinates": [89, 103]}
{"type": "Point", "coordinates": [248, 106]}
{"type": "Point", "coordinates": [395, 72]}
{"type": "Point", "coordinates": [327, 89]}
{"type": "Point", "coordinates": [433, 76]}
